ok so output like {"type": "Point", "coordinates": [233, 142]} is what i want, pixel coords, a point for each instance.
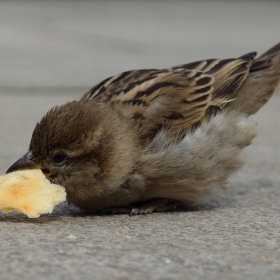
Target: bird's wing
{"type": "Point", "coordinates": [177, 98]}
{"type": "Point", "coordinates": [229, 75]}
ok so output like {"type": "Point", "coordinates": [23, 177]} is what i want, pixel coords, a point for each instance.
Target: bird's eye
{"type": "Point", "coordinates": [60, 158]}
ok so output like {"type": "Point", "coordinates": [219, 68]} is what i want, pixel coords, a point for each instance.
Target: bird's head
{"type": "Point", "coordinates": [81, 145]}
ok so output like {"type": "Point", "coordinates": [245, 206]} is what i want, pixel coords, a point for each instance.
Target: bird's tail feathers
{"type": "Point", "coordinates": [261, 82]}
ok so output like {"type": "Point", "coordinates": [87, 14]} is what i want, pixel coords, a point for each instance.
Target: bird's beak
{"type": "Point", "coordinates": [24, 163]}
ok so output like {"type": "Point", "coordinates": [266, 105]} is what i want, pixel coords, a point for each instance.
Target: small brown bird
{"type": "Point", "coordinates": [150, 140]}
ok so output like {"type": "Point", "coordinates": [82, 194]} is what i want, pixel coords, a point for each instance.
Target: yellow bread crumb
{"type": "Point", "coordinates": [29, 192]}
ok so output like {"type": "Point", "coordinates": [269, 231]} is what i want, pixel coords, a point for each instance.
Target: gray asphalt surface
{"type": "Point", "coordinates": [52, 52]}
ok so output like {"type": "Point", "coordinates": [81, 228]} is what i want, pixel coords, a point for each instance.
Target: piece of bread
{"type": "Point", "coordinates": [29, 192]}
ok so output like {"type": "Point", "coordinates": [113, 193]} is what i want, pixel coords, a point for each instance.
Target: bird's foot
{"type": "Point", "coordinates": [147, 207]}
{"type": "Point", "coordinates": [156, 205]}
{"type": "Point", "coordinates": [115, 211]}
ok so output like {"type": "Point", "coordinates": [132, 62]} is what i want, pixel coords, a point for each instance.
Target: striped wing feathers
{"type": "Point", "coordinates": [172, 98]}
{"type": "Point", "coordinates": [229, 75]}
{"type": "Point", "coordinates": [175, 98]}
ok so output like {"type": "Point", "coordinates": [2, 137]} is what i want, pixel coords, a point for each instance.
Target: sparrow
{"type": "Point", "coordinates": [153, 140]}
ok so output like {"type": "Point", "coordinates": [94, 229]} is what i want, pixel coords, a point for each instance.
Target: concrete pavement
{"type": "Point", "coordinates": [78, 43]}
{"type": "Point", "coordinates": [50, 53]}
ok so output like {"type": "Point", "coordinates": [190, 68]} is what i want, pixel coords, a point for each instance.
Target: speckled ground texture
{"type": "Point", "coordinates": [52, 52]}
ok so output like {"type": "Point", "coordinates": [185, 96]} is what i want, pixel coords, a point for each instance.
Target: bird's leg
{"type": "Point", "coordinates": [156, 205]}
{"type": "Point", "coordinates": [115, 211]}
{"type": "Point", "coordinates": [147, 207]}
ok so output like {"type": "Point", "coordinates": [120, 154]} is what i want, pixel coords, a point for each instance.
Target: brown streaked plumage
{"type": "Point", "coordinates": [151, 140]}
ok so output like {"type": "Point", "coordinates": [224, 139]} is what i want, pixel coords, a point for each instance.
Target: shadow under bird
{"type": "Point", "coordinates": [152, 140]}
